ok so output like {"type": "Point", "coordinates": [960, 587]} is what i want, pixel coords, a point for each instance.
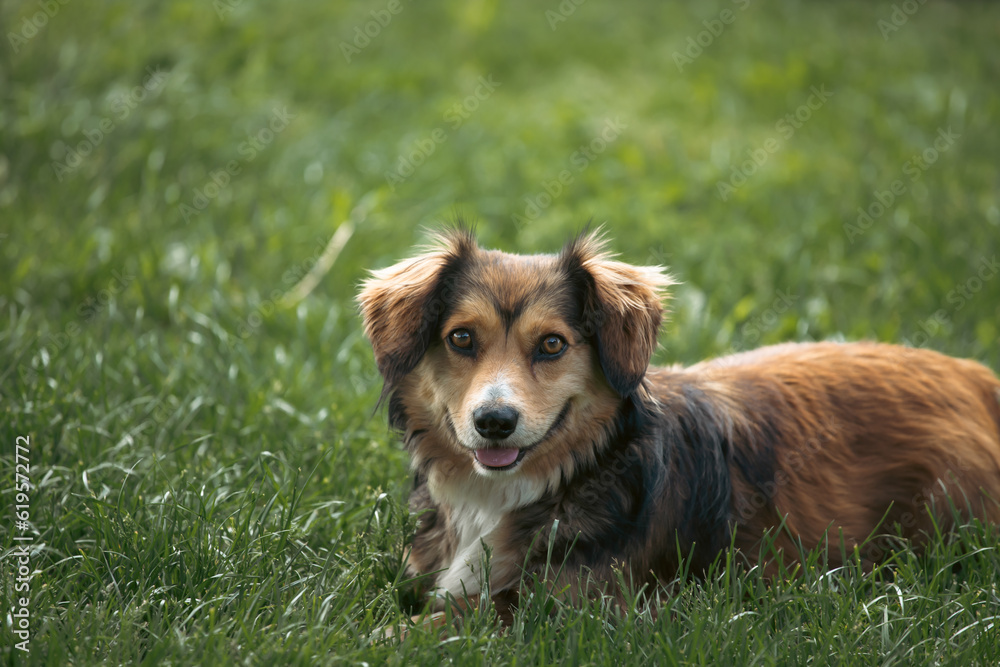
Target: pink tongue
{"type": "Point", "coordinates": [496, 457]}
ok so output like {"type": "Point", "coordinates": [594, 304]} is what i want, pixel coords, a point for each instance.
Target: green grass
{"type": "Point", "coordinates": [209, 482]}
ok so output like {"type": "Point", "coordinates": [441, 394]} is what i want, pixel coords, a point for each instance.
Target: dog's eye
{"type": "Point", "coordinates": [551, 345]}
{"type": "Point", "coordinates": [461, 339]}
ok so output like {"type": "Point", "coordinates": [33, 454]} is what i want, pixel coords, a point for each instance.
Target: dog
{"type": "Point", "coordinates": [539, 432]}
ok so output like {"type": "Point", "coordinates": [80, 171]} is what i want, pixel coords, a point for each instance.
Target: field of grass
{"type": "Point", "coordinates": [208, 482]}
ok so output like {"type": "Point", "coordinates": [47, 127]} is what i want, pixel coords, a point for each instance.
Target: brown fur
{"type": "Point", "coordinates": [623, 466]}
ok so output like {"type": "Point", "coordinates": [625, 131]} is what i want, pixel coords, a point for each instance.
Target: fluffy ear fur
{"type": "Point", "coordinates": [401, 305]}
{"type": "Point", "coordinates": [622, 308]}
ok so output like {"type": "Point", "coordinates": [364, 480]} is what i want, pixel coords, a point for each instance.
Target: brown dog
{"type": "Point", "coordinates": [537, 429]}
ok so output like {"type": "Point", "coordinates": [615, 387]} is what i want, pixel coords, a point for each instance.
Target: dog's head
{"type": "Point", "coordinates": [504, 365]}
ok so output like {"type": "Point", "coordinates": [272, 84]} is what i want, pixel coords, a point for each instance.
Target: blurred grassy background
{"type": "Point", "coordinates": [145, 343]}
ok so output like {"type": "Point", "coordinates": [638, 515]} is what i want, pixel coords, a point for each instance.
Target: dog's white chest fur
{"type": "Point", "coordinates": [474, 527]}
{"type": "Point", "coordinates": [477, 507]}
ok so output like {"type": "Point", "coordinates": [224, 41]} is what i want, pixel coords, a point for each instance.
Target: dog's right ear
{"type": "Point", "coordinates": [401, 305]}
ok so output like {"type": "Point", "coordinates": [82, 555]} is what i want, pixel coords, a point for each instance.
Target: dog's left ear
{"type": "Point", "coordinates": [622, 308]}
{"type": "Point", "coordinates": [402, 304]}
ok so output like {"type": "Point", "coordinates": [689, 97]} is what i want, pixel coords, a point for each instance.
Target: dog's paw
{"type": "Point", "coordinates": [428, 622]}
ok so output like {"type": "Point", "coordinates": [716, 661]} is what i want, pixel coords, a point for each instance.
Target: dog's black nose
{"type": "Point", "coordinates": [495, 423]}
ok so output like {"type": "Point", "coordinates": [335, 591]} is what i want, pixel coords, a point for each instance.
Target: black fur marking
{"type": "Point", "coordinates": [592, 319]}
{"type": "Point", "coordinates": [702, 460]}
{"type": "Point", "coordinates": [438, 303]}
{"type": "Point", "coordinates": [584, 310]}
{"type": "Point", "coordinates": [508, 315]}
{"type": "Point", "coordinates": [756, 462]}
{"type": "Point", "coordinates": [397, 411]}
{"type": "Point", "coordinates": [673, 465]}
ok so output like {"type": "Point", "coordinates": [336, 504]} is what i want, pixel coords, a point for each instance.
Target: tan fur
{"type": "Point", "coordinates": [874, 430]}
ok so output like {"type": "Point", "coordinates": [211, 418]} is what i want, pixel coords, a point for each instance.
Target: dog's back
{"type": "Point", "coordinates": [850, 439]}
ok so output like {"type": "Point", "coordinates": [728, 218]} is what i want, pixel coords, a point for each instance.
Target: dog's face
{"type": "Point", "coordinates": [505, 367]}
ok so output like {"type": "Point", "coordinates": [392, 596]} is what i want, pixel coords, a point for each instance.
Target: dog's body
{"type": "Point", "coordinates": [536, 428]}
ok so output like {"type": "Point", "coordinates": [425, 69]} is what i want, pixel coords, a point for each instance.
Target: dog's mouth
{"type": "Point", "coordinates": [500, 458]}
{"type": "Point", "coordinates": [507, 458]}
